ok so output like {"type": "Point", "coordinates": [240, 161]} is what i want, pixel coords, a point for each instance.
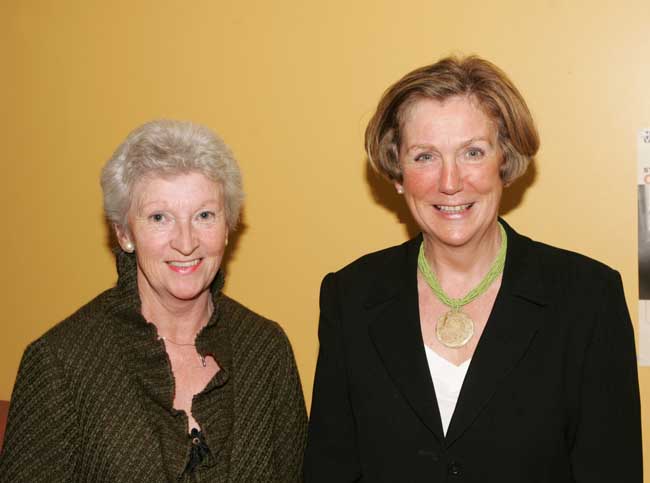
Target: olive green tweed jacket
{"type": "Point", "coordinates": [93, 399]}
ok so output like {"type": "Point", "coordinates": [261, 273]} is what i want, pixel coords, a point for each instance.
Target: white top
{"type": "Point", "coordinates": [447, 381]}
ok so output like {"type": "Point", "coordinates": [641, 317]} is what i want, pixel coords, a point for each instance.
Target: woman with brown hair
{"type": "Point", "coordinates": [470, 353]}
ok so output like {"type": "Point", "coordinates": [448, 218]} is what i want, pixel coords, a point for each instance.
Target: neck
{"type": "Point", "coordinates": [179, 320]}
{"type": "Point", "coordinates": [460, 268]}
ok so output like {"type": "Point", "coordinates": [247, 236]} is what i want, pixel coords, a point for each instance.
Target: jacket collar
{"type": "Point", "coordinates": [513, 322]}
{"type": "Point", "coordinates": [127, 281]}
{"type": "Point", "coordinates": [148, 363]}
{"type": "Point", "coordinates": [521, 273]}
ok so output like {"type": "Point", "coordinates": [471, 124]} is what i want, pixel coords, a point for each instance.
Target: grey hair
{"type": "Point", "coordinates": [168, 147]}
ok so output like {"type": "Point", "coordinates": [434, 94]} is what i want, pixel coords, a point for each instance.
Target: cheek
{"type": "Point", "coordinates": [214, 242]}
{"type": "Point", "coordinates": [417, 183]}
{"type": "Point", "coordinates": [150, 244]}
{"type": "Point", "coordinates": [486, 180]}
{"type": "Point", "coordinates": [491, 185]}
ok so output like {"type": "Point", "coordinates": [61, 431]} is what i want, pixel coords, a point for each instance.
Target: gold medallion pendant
{"type": "Point", "coordinates": [454, 329]}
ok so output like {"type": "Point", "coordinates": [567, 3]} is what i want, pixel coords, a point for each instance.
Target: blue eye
{"type": "Point", "coordinates": [206, 215]}
{"type": "Point", "coordinates": [475, 153]}
{"type": "Point", "coordinates": [423, 157]}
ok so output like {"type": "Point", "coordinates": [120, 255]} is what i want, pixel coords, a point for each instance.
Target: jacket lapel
{"type": "Point", "coordinates": [395, 332]}
{"type": "Point", "coordinates": [512, 325]}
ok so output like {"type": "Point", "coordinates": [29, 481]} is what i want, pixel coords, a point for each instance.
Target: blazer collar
{"type": "Point", "coordinates": [394, 329]}
{"type": "Point", "coordinates": [397, 270]}
{"type": "Point", "coordinates": [521, 272]}
{"type": "Point", "coordinates": [516, 316]}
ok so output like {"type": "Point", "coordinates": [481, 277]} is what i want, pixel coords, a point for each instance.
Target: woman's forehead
{"type": "Point", "coordinates": [178, 189]}
{"type": "Point", "coordinates": [455, 118]}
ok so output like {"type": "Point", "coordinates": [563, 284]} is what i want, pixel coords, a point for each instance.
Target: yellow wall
{"type": "Point", "coordinates": [290, 85]}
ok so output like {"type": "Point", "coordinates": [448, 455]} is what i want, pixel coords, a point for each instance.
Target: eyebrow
{"type": "Point", "coordinates": [464, 144]}
{"type": "Point", "coordinates": [166, 204]}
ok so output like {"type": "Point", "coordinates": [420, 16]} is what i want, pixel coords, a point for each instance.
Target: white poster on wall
{"type": "Point", "coordinates": [643, 195]}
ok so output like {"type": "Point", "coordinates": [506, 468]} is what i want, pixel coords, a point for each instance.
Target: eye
{"type": "Point", "coordinates": [474, 153]}
{"type": "Point", "coordinates": [423, 157]}
{"type": "Point", "coordinates": [206, 216]}
{"type": "Point", "coordinates": [157, 217]}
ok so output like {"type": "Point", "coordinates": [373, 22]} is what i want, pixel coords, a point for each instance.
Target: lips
{"type": "Point", "coordinates": [184, 266]}
{"type": "Point", "coordinates": [453, 209]}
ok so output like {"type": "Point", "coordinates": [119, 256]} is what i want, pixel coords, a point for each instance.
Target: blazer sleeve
{"type": "Point", "coordinates": [291, 418]}
{"type": "Point", "coordinates": [332, 453]}
{"type": "Point", "coordinates": [607, 444]}
{"type": "Point", "coordinates": [42, 432]}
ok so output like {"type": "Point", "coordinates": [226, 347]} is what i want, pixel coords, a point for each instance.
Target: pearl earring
{"type": "Point", "coordinates": [400, 190]}
{"type": "Point", "coordinates": [128, 247]}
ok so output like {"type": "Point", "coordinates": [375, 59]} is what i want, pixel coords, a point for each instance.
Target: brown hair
{"type": "Point", "coordinates": [470, 76]}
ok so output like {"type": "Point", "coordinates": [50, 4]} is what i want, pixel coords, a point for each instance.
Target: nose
{"type": "Point", "coordinates": [451, 181]}
{"type": "Point", "coordinates": [184, 239]}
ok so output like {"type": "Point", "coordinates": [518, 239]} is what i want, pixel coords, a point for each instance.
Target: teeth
{"type": "Point", "coordinates": [191, 263]}
{"type": "Point", "coordinates": [453, 209]}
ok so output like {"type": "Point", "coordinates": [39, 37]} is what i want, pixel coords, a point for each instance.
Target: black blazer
{"type": "Point", "coordinates": [551, 394]}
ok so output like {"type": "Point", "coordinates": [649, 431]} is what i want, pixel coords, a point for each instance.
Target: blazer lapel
{"type": "Point", "coordinates": [395, 332]}
{"type": "Point", "coordinates": [512, 325]}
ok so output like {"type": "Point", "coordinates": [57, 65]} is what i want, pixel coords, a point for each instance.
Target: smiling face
{"type": "Point", "coordinates": [178, 227]}
{"type": "Point", "coordinates": [450, 158]}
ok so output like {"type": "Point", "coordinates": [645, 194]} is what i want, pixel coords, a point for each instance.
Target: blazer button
{"type": "Point", "coordinates": [455, 469]}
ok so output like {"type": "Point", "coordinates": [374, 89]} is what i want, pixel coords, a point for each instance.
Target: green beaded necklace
{"type": "Point", "coordinates": [455, 328]}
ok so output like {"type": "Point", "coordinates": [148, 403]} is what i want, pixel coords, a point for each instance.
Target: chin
{"type": "Point", "coordinates": [451, 236]}
{"type": "Point", "coordinates": [455, 233]}
{"type": "Point", "coordinates": [455, 241]}
{"type": "Point", "coordinates": [187, 293]}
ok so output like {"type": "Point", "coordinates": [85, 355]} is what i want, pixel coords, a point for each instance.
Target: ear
{"type": "Point", "coordinates": [123, 238]}
{"type": "Point", "coordinates": [398, 187]}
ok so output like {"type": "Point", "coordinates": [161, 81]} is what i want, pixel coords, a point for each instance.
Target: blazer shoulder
{"type": "Point", "coordinates": [372, 278]}
{"type": "Point", "coordinates": [559, 260]}
{"type": "Point", "coordinates": [550, 273]}
{"type": "Point", "coordinates": [380, 262]}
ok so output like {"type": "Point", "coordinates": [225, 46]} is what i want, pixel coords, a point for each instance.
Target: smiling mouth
{"type": "Point", "coordinates": [453, 208]}
{"type": "Point", "coordinates": [188, 264]}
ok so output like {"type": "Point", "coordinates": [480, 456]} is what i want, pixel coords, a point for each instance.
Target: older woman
{"type": "Point", "coordinates": [470, 353]}
{"type": "Point", "coordinates": [163, 377]}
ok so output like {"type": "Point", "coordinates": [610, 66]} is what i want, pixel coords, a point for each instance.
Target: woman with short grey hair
{"type": "Point", "coordinates": [168, 147]}
{"type": "Point", "coordinates": [162, 377]}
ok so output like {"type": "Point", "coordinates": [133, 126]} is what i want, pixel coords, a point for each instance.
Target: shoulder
{"type": "Point", "coordinates": [80, 328]}
{"type": "Point", "coordinates": [372, 278]}
{"type": "Point", "coordinates": [384, 259]}
{"type": "Point", "coordinates": [385, 263]}
{"type": "Point", "coordinates": [559, 265]}
{"type": "Point", "coordinates": [248, 327]}
{"type": "Point", "coordinates": [68, 355]}
{"type": "Point", "coordinates": [260, 348]}
{"type": "Point", "coordinates": [557, 277]}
